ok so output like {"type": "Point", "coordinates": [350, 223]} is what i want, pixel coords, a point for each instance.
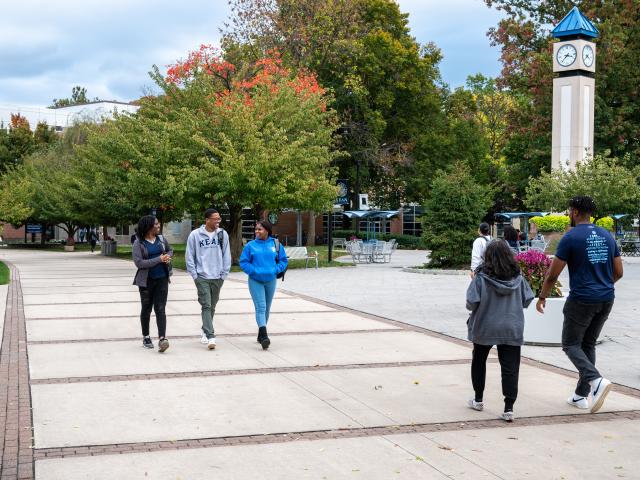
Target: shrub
{"type": "Point", "coordinates": [534, 266]}
{"type": "Point", "coordinates": [452, 215]}
{"type": "Point", "coordinates": [551, 223]}
{"type": "Point", "coordinates": [605, 222]}
{"type": "Point", "coordinates": [405, 242]}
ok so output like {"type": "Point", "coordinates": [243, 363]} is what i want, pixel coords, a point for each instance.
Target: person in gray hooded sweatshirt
{"type": "Point", "coordinates": [208, 260]}
{"type": "Point", "coordinates": [496, 298]}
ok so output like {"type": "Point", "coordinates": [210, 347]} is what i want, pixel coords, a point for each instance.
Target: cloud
{"type": "Point", "coordinates": [46, 48]}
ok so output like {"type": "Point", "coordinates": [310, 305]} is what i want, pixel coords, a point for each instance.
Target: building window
{"type": "Point", "coordinates": [411, 223]}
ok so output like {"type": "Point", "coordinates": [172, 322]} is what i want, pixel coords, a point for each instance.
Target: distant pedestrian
{"type": "Point", "coordinates": [92, 237]}
{"type": "Point", "coordinates": [511, 236]}
{"type": "Point", "coordinates": [594, 266]}
{"type": "Point", "coordinates": [134, 236]}
{"type": "Point", "coordinates": [496, 298]}
{"type": "Point", "coordinates": [263, 259]}
{"type": "Point", "coordinates": [81, 234]}
{"type": "Point", "coordinates": [479, 246]}
{"type": "Point", "coordinates": [208, 259]}
{"type": "Point", "coordinates": [152, 255]}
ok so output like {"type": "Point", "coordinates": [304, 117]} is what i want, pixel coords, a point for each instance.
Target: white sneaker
{"type": "Point", "coordinates": [578, 402]}
{"type": "Point", "coordinates": [211, 343]}
{"type": "Point", "coordinates": [507, 416]}
{"type": "Point", "coordinates": [475, 405]}
{"type": "Point", "coordinates": [204, 339]}
{"type": "Point", "coordinates": [600, 388]}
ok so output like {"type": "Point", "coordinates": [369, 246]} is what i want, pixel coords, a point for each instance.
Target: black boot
{"type": "Point", "coordinates": [263, 338]}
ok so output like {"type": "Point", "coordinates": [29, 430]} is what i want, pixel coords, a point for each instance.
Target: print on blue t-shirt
{"type": "Point", "coordinates": [589, 252]}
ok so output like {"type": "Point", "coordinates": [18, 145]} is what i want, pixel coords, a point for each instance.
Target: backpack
{"type": "Point", "coordinates": [281, 274]}
{"type": "Point", "coordinates": [221, 240]}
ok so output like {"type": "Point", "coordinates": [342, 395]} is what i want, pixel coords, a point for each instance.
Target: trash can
{"type": "Point", "coordinates": [108, 248]}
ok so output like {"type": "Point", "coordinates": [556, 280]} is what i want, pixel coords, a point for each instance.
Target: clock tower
{"type": "Point", "coordinates": [574, 60]}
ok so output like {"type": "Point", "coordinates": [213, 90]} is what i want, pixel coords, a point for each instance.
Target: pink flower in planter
{"type": "Point", "coordinates": [534, 266]}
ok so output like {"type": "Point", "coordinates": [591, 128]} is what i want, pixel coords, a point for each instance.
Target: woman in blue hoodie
{"type": "Point", "coordinates": [496, 297]}
{"type": "Point", "coordinates": [263, 259]}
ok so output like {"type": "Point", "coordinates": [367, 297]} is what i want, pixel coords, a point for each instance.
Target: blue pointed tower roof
{"type": "Point", "coordinates": [575, 23]}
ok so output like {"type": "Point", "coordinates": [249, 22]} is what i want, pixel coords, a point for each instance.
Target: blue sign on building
{"type": "Point", "coordinates": [34, 228]}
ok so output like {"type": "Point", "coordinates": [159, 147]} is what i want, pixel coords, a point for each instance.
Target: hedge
{"type": "Point", "coordinates": [551, 223]}
{"type": "Point", "coordinates": [559, 223]}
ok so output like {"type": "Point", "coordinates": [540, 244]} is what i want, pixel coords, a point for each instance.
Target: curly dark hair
{"type": "Point", "coordinates": [583, 204]}
{"type": "Point", "coordinates": [499, 261]}
{"type": "Point", "coordinates": [510, 234]}
{"type": "Point", "coordinates": [145, 224]}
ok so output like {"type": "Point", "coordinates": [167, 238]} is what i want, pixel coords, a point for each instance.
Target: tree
{"type": "Point", "coordinates": [78, 97]}
{"type": "Point", "coordinates": [614, 187]}
{"type": "Point", "coordinates": [453, 211]}
{"type": "Point", "coordinates": [386, 85]}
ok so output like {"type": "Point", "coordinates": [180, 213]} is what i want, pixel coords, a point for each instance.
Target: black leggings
{"type": "Point", "coordinates": [154, 296]}
{"type": "Point", "coordinates": [509, 356]}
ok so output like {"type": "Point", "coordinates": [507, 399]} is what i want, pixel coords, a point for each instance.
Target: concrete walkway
{"type": "Point", "coordinates": [340, 393]}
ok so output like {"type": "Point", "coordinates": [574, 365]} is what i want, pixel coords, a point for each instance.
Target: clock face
{"type": "Point", "coordinates": [566, 55]}
{"type": "Point", "coordinates": [587, 56]}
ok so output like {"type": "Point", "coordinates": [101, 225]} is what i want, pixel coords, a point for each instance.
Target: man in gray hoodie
{"type": "Point", "coordinates": [208, 259]}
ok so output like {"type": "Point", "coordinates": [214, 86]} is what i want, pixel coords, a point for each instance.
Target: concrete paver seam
{"type": "Point", "coordinates": [252, 312]}
{"type": "Point", "coordinates": [246, 371]}
{"type": "Point", "coordinates": [378, 431]}
{"type": "Point", "coordinates": [220, 335]}
{"type": "Point", "coordinates": [16, 457]}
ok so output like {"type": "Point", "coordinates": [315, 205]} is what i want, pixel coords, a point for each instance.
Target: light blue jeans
{"type": "Point", "coordinates": [262, 295]}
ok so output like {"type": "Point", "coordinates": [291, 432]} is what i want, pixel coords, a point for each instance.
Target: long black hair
{"type": "Point", "coordinates": [145, 224]}
{"type": "Point", "coordinates": [499, 261]}
{"type": "Point", "coordinates": [266, 224]}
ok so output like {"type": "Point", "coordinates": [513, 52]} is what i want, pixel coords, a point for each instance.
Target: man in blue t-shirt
{"type": "Point", "coordinates": [594, 266]}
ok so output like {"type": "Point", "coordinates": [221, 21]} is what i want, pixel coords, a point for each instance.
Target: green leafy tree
{"type": "Point", "coordinates": [386, 85]}
{"type": "Point", "coordinates": [452, 214]}
{"type": "Point", "coordinates": [614, 187]}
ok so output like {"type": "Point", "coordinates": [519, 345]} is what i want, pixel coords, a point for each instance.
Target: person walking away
{"type": "Point", "coordinates": [511, 237]}
{"type": "Point", "coordinates": [479, 246]}
{"type": "Point", "coordinates": [208, 260]}
{"type": "Point", "coordinates": [263, 259]}
{"type": "Point", "coordinates": [152, 255]}
{"type": "Point", "coordinates": [496, 298]}
{"type": "Point", "coordinates": [92, 236]}
{"type": "Point", "coordinates": [595, 266]}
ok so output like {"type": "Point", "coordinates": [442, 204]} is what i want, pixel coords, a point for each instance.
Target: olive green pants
{"type": "Point", "coordinates": [208, 296]}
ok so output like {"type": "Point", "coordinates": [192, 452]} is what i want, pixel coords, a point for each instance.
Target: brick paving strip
{"type": "Point", "coordinates": [246, 371]}
{"type": "Point", "coordinates": [16, 424]}
{"type": "Point", "coordinates": [141, 447]}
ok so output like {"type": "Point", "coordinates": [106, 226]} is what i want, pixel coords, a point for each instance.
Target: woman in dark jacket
{"type": "Point", "coordinates": [152, 255]}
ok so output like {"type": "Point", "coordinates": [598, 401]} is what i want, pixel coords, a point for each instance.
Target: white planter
{"type": "Point", "coordinates": [544, 329]}
{"type": "Point", "coordinates": [69, 248]}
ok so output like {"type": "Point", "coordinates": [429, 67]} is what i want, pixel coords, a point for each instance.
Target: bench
{"type": "Point", "coordinates": [340, 243]}
{"type": "Point", "coordinates": [301, 253]}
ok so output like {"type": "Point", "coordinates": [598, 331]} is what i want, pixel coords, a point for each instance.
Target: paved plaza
{"type": "Point", "coordinates": [365, 378]}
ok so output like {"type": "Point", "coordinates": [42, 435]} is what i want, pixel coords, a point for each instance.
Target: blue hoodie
{"type": "Point", "coordinates": [258, 260]}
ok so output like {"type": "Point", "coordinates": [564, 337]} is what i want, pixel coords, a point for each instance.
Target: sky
{"type": "Point", "coordinates": [46, 48]}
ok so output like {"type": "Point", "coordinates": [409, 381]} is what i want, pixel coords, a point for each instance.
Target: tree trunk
{"type": "Point", "coordinates": [105, 235]}
{"type": "Point", "coordinates": [311, 229]}
{"type": "Point", "coordinates": [235, 232]}
{"type": "Point", "coordinates": [71, 231]}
